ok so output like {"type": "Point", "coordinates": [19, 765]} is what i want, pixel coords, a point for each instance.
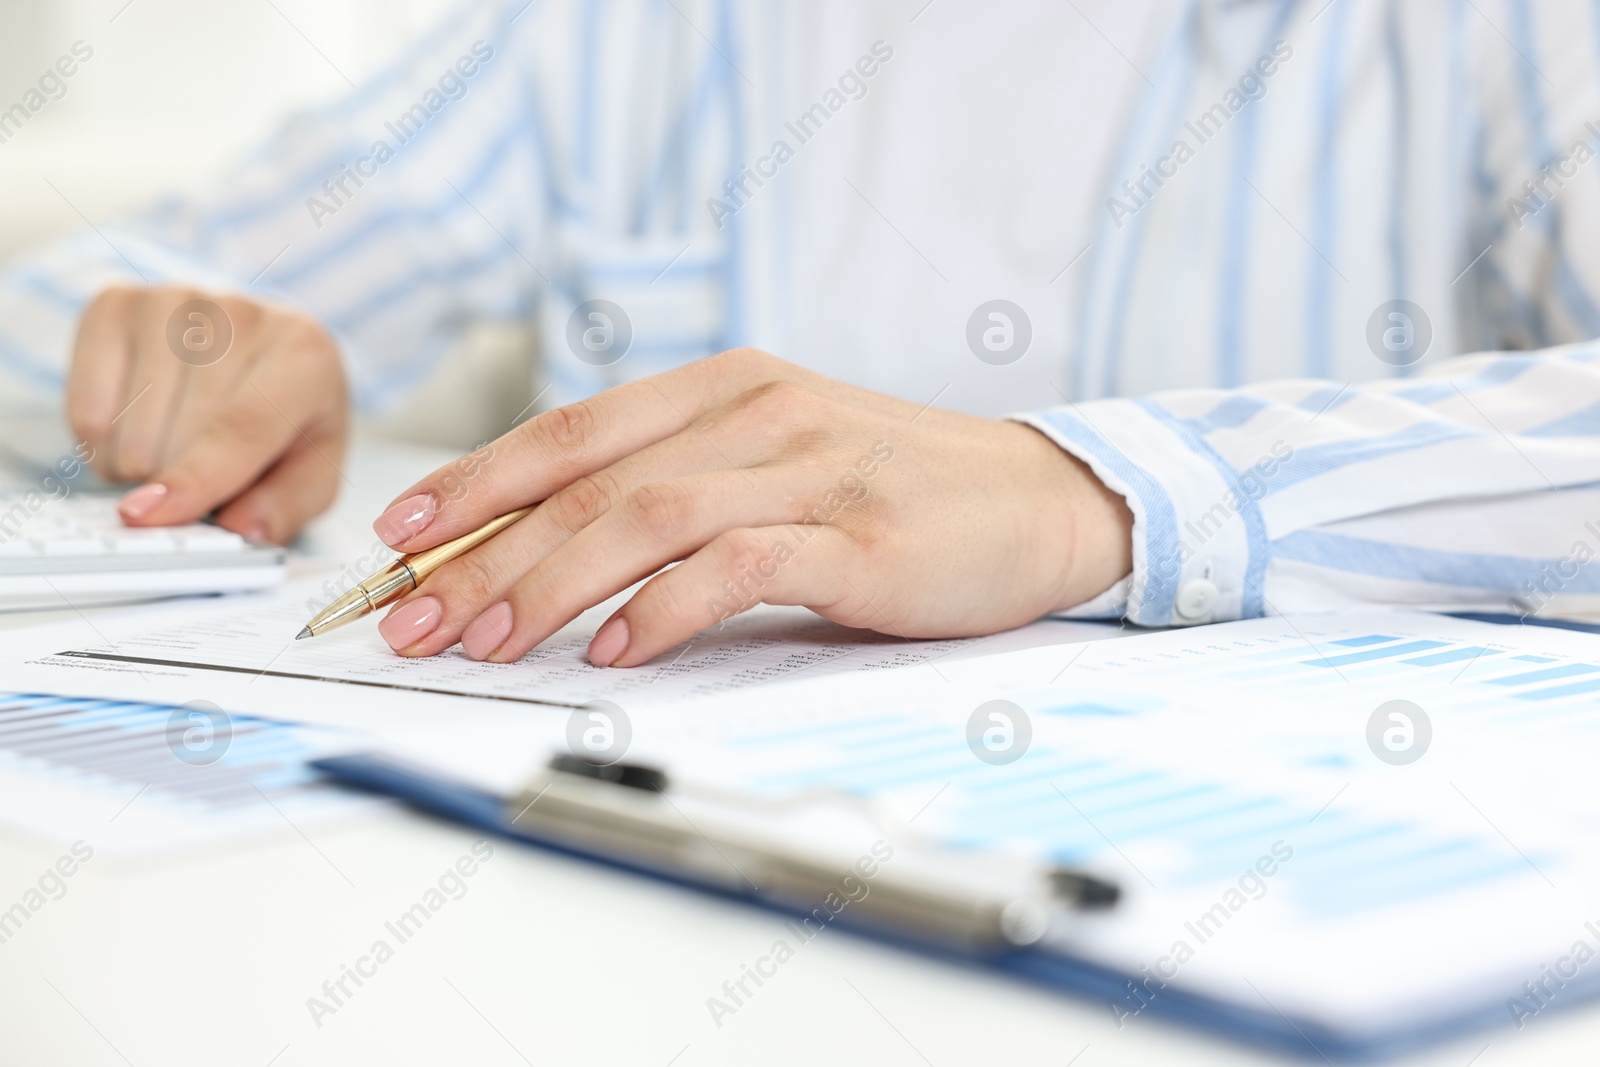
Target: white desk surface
{"type": "Point", "coordinates": [208, 958]}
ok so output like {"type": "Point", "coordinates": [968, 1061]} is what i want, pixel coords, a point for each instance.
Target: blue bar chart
{"type": "Point", "coordinates": [1076, 805]}
{"type": "Point", "coordinates": [156, 774]}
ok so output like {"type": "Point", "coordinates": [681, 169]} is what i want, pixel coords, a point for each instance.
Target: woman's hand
{"type": "Point", "coordinates": [217, 402]}
{"type": "Point", "coordinates": [771, 484]}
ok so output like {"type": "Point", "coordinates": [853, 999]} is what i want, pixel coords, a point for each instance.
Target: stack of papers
{"type": "Point", "coordinates": [1376, 827]}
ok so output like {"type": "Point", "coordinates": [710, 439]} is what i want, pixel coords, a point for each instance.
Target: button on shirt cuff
{"type": "Point", "coordinates": [1199, 543]}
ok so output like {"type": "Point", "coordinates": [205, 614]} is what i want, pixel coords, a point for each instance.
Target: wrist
{"type": "Point", "coordinates": [1095, 543]}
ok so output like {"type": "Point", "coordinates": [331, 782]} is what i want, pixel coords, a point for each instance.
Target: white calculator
{"type": "Point", "coordinates": [73, 550]}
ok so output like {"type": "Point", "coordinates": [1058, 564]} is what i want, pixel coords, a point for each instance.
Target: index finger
{"type": "Point", "coordinates": [557, 448]}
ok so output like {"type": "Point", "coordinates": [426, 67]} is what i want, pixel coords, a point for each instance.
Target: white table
{"type": "Point", "coordinates": [208, 959]}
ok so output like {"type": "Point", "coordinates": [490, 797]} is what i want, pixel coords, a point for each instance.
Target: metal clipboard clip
{"type": "Point", "coordinates": [815, 851]}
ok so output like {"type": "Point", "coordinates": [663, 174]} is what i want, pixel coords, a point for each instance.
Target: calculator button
{"type": "Point", "coordinates": [144, 542]}
{"type": "Point", "coordinates": [76, 546]}
{"type": "Point", "coordinates": [210, 539]}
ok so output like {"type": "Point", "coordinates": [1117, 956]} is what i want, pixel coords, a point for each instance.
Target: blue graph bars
{"type": "Point", "coordinates": [134, 744]}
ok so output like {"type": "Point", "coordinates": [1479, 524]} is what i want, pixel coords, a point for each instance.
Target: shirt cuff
{"type": "Point", "coordinates": [1199, 542]}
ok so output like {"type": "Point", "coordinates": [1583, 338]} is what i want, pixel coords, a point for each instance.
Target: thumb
{"type": "Point", "coordinates": [293, 492]}
{"type": "Point", "coordinates": [226, 457]}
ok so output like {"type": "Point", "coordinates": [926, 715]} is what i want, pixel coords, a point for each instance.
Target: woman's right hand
{"type": "Point", "coordinates": [215, 403]}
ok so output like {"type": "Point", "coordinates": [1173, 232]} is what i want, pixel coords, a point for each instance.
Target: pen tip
{"type": "Point", "coordinates": [305, 632]}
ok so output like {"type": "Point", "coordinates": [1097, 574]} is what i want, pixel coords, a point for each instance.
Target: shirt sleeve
{"type": "Point", "coordinates": [1474, 486]}
{"type": "Point", "coordinates": [410, 207]}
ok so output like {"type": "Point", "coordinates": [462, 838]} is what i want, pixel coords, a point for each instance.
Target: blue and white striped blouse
{"type": "Point", "coordinates": [1183, 198]}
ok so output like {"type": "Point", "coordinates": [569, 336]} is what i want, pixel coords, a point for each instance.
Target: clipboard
{"type": "Point", "coordinates": [487, 812]}
{"type": "Point", "coordinates": [1524, 671]}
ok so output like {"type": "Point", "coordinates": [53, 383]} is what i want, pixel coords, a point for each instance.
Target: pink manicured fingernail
{"type": "Point", "coordinates": [610, 643]}
{"type": "Point", "coordinates": [411, 622]}
{"type": "Point", "coordinates": [405, 520]}
{"type": "Point", "coordinates": [142, 501]}
{"type": "Point", "coordinates": [487, 632]}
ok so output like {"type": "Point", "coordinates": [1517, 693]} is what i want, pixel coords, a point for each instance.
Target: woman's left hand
{"type": "Point", "coordinates": [770, 484]}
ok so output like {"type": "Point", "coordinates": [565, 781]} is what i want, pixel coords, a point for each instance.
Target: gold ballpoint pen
{"type": "Point", "coordinates": [400, 577]}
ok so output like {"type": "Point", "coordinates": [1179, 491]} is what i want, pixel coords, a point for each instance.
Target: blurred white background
{"type": "Point", "coordinates": [175, 90]}
{"type": "Point", "coordinates": [178, 89]}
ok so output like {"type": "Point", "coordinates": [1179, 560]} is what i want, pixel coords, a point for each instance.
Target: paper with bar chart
{"type": "Point", "coordinates": [1376, 824]}
{"type": "Point", "coordinates": [1372, 821]}
{"type": "Point", "coordinates": [78, 764]}
{"type": "Point", "coordinates": [1369, 822]}
{"type": "Point", "coordinates": [133, 778]}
